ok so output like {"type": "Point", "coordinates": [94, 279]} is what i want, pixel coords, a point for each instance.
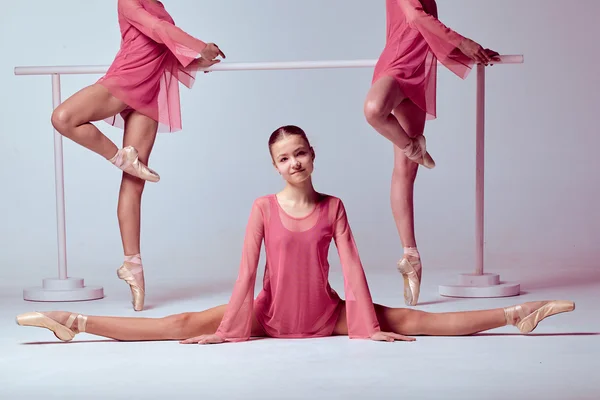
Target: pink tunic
{"type": "Point", "coordinates": [296, 300]}
{"type": "Point", "coordinates": [151, 62]}
{"type": "Point", "coordinates": [416, 39]}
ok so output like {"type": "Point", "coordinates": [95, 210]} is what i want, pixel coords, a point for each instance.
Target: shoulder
{"type": "Point", "coordinates": [335, 206]}
{"type": "Point", "coordinates": [263, 202]}
{"type": "Point", "coordinates": [263, 199]}
{"type": "Point", "coordinates": [129, 4]}
{"type": "Point", "coordinates": [332, 200]}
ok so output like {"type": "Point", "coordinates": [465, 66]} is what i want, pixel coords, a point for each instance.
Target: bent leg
{"type": "Point", "coordinates": [383, 97]}
{"type": "Point", "coordinates": [73, 118]}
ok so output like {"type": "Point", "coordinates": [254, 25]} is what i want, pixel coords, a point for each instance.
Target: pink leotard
{"type": "Point", "coordinates": [415, 40]}
{"type": "Point", "coordinates": [296, 300]}
{"type": "Point", "coordinates": [152, 60]}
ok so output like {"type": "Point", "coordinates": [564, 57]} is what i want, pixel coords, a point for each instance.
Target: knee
{"type": "Point", "coordinates": [130, 197]}
{"type": "Point", "coordinates": [375, 111]}
{"type": "Point", "coordinates": [62, 120]}
{"type": "Point", "coordinates": [405, 170]}
{"type": "Point", "coordinates": [177, 324]}
{"type": "Point", "coordinates": [414, 322]}
{"type": "Point", "coordinates": [132, 187]}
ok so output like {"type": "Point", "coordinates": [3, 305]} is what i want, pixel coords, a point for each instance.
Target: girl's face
{"type": "Point", "coordinates": [293, 158]}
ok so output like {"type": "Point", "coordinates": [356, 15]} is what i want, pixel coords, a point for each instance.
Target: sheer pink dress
{"type": "Point", "coordinates": [154, 57]}
{"type": "Point", "coordinates": [296, 300]}
{"type": "Point", "coordinates": [415, 41]}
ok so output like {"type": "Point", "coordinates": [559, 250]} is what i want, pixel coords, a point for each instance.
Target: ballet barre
{"type": "Point", "coordinates": [65, 288]}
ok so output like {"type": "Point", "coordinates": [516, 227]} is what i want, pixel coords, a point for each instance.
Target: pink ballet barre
{"type": "Point", "coordinates": [65, 288]}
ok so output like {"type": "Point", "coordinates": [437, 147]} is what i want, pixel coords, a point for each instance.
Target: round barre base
{"type": "Point", "coordinates": [486, 285]}
{"type": "Point", "coordinates": [70, 289]}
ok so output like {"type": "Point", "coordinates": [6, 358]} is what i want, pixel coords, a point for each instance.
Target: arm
{"type": "Point", "coordinates": [237, 322]}
{"type": "Point", "coordinates": [427, 24]}
{"type": "Point", "coordinates": [362, 320]}
{"type": "Point", "coordinates": [185, 47]}
{"type": "Point", "coordinates": [442, 40]}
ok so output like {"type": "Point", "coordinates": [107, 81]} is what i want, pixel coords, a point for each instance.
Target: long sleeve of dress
{"type": "Point", "coordinates": [442, 40]}
{"type": "Point", "coordinates": [360, 312]}
{"type": "Point", "coordinates": [185, 47]}
{"type": "Point", "coordinates": [236, 325]}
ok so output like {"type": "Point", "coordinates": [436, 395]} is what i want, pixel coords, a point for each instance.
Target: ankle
{"type": "Point", "coordinates": [511, 315]}
{"type": "Point", "coordinates": [118, 159]}
{"type": "Point", "coordinates": [134, 263]}
{"type": "Point", "coordinates": [133, 258]}
{"type": "Point", "coordinates": [412, 252]}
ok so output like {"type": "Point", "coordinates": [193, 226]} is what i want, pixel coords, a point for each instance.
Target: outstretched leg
{"type": "Point", "coordinates": [140, 133]}
{"type": "Point", "coordinates": [383, 97]}
{"type": "Point", "coordinates": [412, 120]}
{"type": "Point", "coordinates": [173, 327]}
{"type": "Point", "coordinates": [414, 322]}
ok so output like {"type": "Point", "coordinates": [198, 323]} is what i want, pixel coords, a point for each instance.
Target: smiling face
{"type": "Point", "coordinates": [292, 157]}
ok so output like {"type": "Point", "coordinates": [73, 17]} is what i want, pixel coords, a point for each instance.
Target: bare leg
{"type": "Point", "coordinates": [140, 132]}
{"type": "Point", "coordinates": [73, 118]}
{"type": "Point", "coordinates": [413, 322]}
{"type": "Point", "coordinates": [412, 120]}
{"type": "Point", "coordinates": [383, 97]}
{"type": "Point", "coordinates": [173, 327]}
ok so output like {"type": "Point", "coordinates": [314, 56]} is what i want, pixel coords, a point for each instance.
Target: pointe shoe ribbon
{"type": "Point", "coordinates": [63, 332]}
{"type": "Point", "coordinates": [410, 268]}
{"type": "Point", "coordinates": [515, 315]}
{"type": "Point", "coordinates": [127, 161]}
{"type": "Point", "coordinates": [135, 284]}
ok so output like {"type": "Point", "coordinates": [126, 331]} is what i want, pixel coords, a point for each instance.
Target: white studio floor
{"type": "Point", "coordinates": [560, 360]}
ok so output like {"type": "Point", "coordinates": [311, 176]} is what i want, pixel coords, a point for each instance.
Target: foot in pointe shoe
{"type": "Point", "coordinates": [527, 316]}
{"type": "Point", "coordinates": [133, 274]}
{"type": "Point", "coordinates": [64, 325]}
{"type": "Point", "coordinates": [127, 161]}
{"type": "Point", "coordinates": [416, 151]}
{"type": "Point", "coordinates": [411, 268]}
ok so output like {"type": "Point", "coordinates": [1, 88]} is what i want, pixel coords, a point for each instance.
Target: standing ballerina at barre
{"type": "Point", "coordinates": [403, 96]}
{"type": "Point", "coordinates": [297, 226]}
{"type": "Point", "coordinates": [139, 93]}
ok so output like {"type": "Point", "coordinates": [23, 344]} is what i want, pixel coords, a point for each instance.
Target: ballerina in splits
{"type": "Point", "coordinates": [297, 226]}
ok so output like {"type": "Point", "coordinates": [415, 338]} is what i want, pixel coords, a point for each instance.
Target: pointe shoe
{"type": "Point", "coordinates": [411, 269]}
{"type": "Point", "coordinates": [515, 315]}
{"type": "Point", "coordinates": [137, 287]}
{"type": "Point", "coordinates": [63, 332]}
{"type": "Point", "coordinates": [127, 161]}
{"type": "Point", "coordinates": [416, 151]}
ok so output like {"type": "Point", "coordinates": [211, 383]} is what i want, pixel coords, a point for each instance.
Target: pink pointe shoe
{"type": "Point", "coordinates": [64, 332]}
{"type": "Point", "coordinates": [518, 316]}
{"type": "Point", "coordinates": [411, 269]}
{"type": "Point", "coordinates": [133, 274]}
{"type": "Point", "coordinates": [127, 161]}
{"type": "Point", "coordinates": [416, 151]}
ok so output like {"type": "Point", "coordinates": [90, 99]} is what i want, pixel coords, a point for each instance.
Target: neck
{"type": "Point", "coordinates": [300, 193]}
